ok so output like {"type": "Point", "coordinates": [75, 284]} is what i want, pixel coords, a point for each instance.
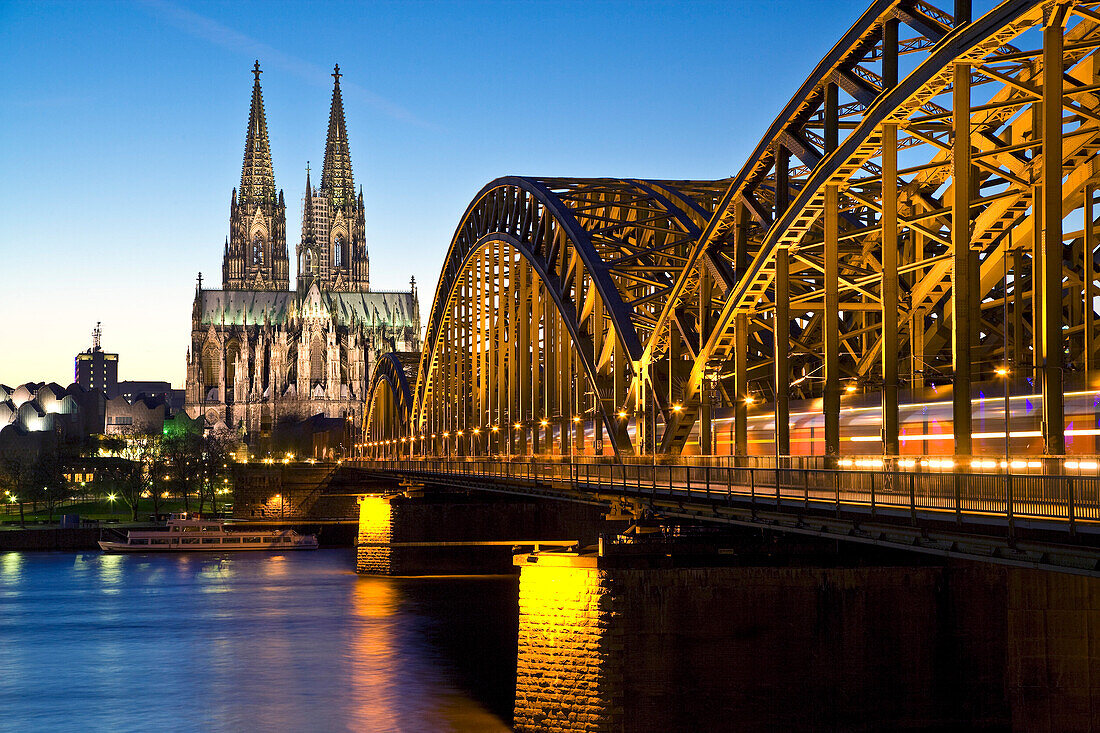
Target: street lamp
{"type": "Point", "coordinates": [1004, 373]}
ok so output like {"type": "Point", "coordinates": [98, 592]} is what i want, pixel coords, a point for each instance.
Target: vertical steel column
{"type": "Point", "coordinates": [891, 445]}
{"type": "Point", "coordinates": [706, 428]}
{"type": "Point", "coordinates": [1017, 308]}
{"type": "Point", "coordinates": [523, 348]}
{"type": "Point", "coordinates": [830, 322]}
{"type": "Point", "coordinates": [1089, 270]}
{"type": "Point", "coordinates": [1053, 341]}
{"type": "Point", "coordinates": [741, 336]}
{"type": "Point", "coordinates": [536, 361]}
{"type": "Point", "coordinates": [741, 384]}
{"type": "Point", "coordinates": [961, 296]}
{"type": "Point", "coordinates": [830, 325]}
{"type": "Point", "coordinates": [781, 326]}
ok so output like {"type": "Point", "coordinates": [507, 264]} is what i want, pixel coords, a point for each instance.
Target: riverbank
{"type": "Point", "coordinates": [87, 538]}
{"type": "Point", "coordinates": [50, 538]}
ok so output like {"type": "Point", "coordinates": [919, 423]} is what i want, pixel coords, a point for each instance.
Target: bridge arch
{"type": "Point", "coordinates": [868, 152]}
{"type": "Point", "coordinates": [541, 311]}
{"type": "Point", "coordinates": [389, 402]}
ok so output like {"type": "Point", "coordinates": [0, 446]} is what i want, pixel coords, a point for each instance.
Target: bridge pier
{"type": "Point", "coordinates": [425, 532]}
{"type": "Point", "coordinates": [623, 642]}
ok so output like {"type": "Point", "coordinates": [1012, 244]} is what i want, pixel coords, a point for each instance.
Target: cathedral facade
{"type": "Point", "coordinates": [263, 354]}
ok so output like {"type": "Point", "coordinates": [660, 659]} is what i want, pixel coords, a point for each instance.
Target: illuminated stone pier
{"type": "Point", "coordinates": [421, 533]}
{"type": "Point", "coordinates": [607, 644]}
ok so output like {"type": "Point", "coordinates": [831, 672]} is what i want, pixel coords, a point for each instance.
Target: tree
{"type": "Point", "coordinates": [217, 448]}
{"type": "Point", "coordinates": [48, 477]}
{"type": "Point", "coordinates": [181, 455]}
{"type": "Point", "coordinates": [131, 484]}
{"type": "Point", "coordinates": [15, 480]}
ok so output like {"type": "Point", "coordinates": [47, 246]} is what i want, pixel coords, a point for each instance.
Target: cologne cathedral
{"type": "Point", "coordinates": [263, 354]}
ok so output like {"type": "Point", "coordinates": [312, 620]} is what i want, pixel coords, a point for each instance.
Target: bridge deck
{"type": "Point", "coordinates": [1035, 520]}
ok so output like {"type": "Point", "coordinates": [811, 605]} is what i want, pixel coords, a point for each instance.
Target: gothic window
{"type": "Point", "coordinates": [338, 251]}
{"type": "Point", "coordinates": [257, 250]}
{"type": "Point", "coordinates": [316, 361]}
{"type": "Point", "coordinates": [211, 375]}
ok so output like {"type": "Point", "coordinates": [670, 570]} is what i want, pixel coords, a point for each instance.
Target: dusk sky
{"type": "Point", "coordinates": [123, 124]}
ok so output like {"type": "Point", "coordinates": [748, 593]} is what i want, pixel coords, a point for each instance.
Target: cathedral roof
{"type": "Point", "coordinates": [383, 309]}
{"type": "Point", "coordinates": [236, 307]}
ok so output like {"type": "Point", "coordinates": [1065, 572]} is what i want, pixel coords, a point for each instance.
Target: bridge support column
{"type": "Point", "coordinates": [962, 299]}
{"type": "Point", "coordinates": [831, 327]}
{"type": "Point", "coordinates": [891, 444]}
{"type": "Point", "coordinates": [1052, 340]}
{"type": "Point", "coordinates": [782, 323]}
{"type": "Point", "coordinates": [741, 386]}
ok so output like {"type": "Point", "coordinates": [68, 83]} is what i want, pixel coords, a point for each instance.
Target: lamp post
{"type": "Point", "coordinates": [711, 375]}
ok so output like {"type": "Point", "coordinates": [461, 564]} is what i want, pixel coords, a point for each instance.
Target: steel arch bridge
{"type": "Point", "coordinates": [920, 212]}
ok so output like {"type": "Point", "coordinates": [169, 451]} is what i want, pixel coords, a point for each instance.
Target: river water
{"type": "Point", "coordinates": [249, 641]}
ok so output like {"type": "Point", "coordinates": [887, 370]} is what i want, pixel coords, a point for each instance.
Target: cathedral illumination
{"type": "Point", "coordinates": [262, 354]}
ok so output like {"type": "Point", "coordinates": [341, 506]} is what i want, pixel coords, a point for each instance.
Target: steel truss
{"type": "Point", "coordinates": [896, 224]}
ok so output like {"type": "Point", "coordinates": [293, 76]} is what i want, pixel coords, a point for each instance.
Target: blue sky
{"type": "Point", "coordinates": [122, 130]}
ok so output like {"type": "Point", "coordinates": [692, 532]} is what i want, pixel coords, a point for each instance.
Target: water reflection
{"type": "Point", "coordinates": [247, 642]}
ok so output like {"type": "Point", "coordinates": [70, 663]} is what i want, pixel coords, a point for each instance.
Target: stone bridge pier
{"type": "Point", "coordinates": [641, 627]}
{"type": "Point", "coordinates": [613, 642]}
{"type": "Point", "coordinates": [418, 531]}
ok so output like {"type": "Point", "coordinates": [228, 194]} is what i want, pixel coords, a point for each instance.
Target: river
{"type": "Point", "coordinates": [249, 641]}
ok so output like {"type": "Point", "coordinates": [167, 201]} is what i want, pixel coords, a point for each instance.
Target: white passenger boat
{"type": "Point", "coordinates": [184, 534]}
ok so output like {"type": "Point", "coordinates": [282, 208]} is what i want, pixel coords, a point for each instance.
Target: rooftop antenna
{"type": "Point", "coordinates": [96, 333]}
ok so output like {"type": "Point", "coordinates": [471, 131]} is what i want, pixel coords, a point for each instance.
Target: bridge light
{"type": "Point", "coordinates": [402, 439]}
{"type": "Point", "coordinates": [1001, 371]}
{"type": "Point", "coordinates": [622, 413]}
{"type": "Point", "coordinates": [576, 419]}
{"type": "Point", "coordinates": [433, 436]}
{"type": "Point", "coordinates": [446, 434]}
{"type": "Point", "coordinates": [517, 426]}
{"type": "Point", "coordinates": [544, 422]}
{"type": "Point", "coordinates": [496, 428]}
{"type": "Point", "coordinates": [476, 431]}
{"type": "Point", "coordinates": [850, 388]}
{"type": "Point", "coordinates": [677, 407]}
{"type": "Point", "coordinates": [750, 400]}
{"type": "Point", "coordinates": [458, 433]}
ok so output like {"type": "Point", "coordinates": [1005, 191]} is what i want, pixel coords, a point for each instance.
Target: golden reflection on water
{"type": "Point", "coordinates": [110, 573]}
{"type": "Point", "coordinates": [382, 667]}
{"type": "Point", "coordinates": [374, 665]}
{"type": "Point", "coordinates": [11, 563]}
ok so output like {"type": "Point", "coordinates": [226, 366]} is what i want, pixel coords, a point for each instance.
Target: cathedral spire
{"type": "Point", "coordinates": [307, 216]}
{"type": "Point", "coordinates": [257, 176]}
{"type": "Point", "coordinates": [336, 179]}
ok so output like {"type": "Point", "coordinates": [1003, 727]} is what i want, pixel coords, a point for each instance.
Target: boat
{"type": "Point", "coordinates": [190, 534]}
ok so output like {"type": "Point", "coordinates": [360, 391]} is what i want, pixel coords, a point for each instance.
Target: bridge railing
{"type": "Point", "coordinates": [976, 498]}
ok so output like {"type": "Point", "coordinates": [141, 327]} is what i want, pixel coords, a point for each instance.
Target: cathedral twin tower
{"type": "Point", "coordinates": [333, 250]}
{"type": "Point", "coordinates": [264, 355]}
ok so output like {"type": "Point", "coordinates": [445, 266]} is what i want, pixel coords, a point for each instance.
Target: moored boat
{"type": "Point", "coordinates": [186, 534]}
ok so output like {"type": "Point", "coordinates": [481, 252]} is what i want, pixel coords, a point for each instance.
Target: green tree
{"type": "Point", "coordinates": [48, 480]}
{"type": "Point", "coordinates": [217, 448]}
{"type": "Point", "coordinates": [181, 456]}
{"type": "Point", "coordinates": [15, 478]}
{"type": "Point", "coordinates": [131, 484]}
